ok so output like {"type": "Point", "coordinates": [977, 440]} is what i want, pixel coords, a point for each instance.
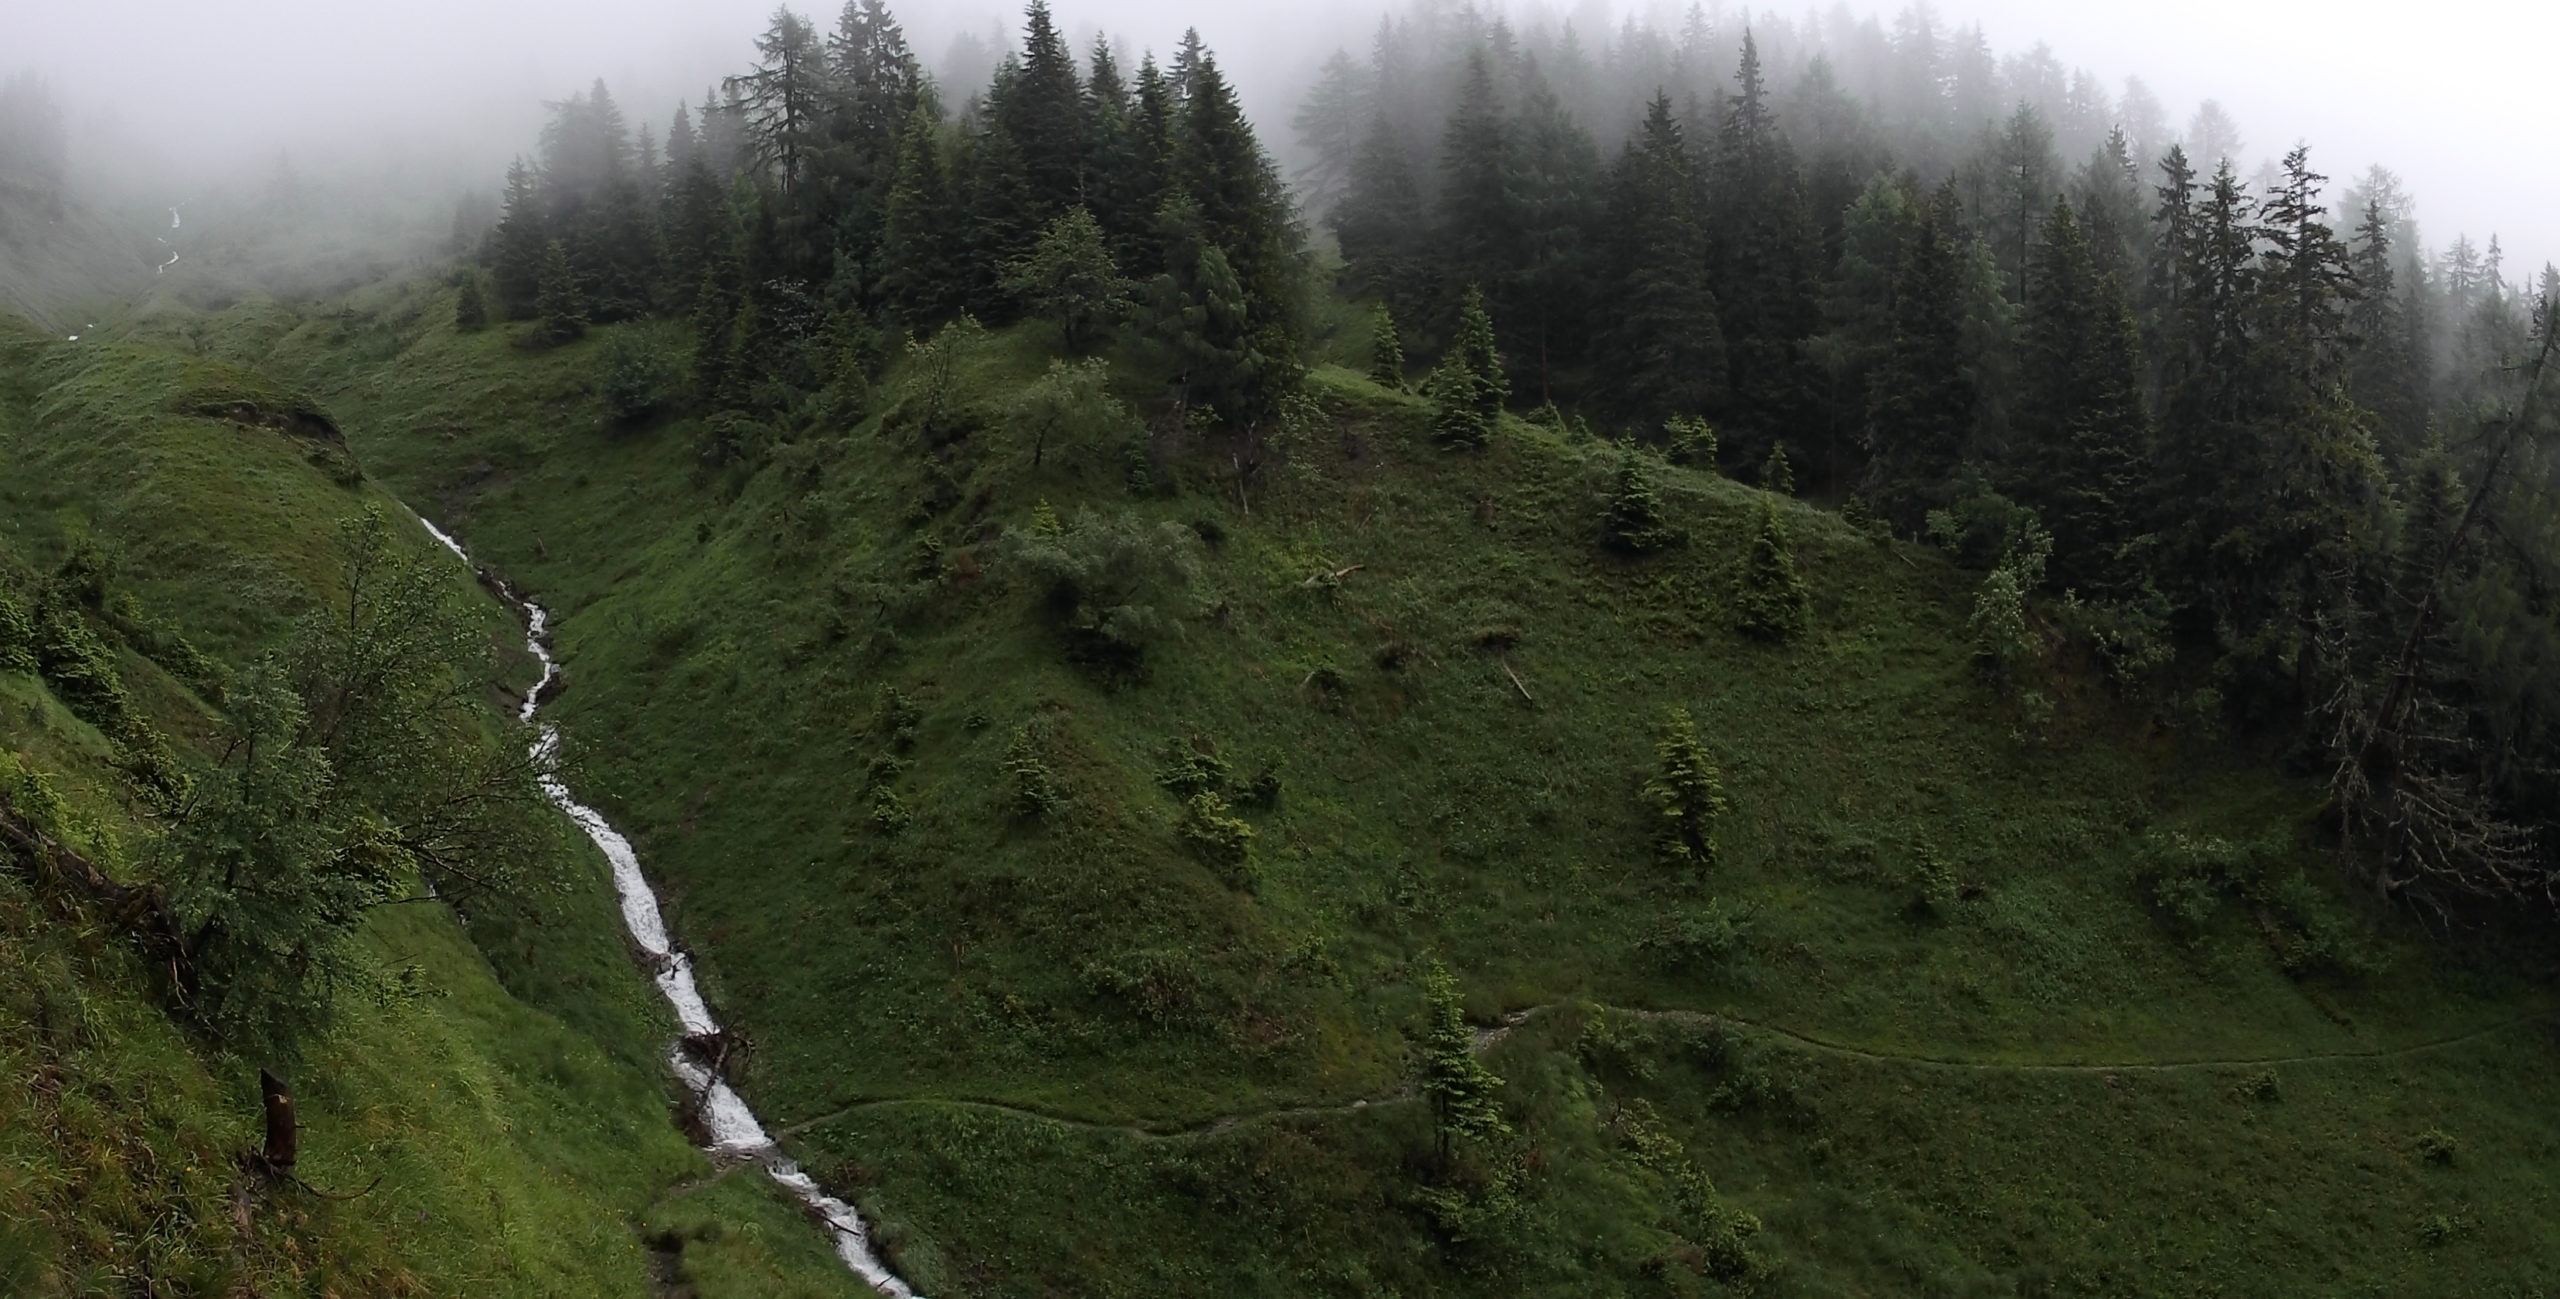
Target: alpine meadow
{"type": "Point", "coordinates": [1451, 649]}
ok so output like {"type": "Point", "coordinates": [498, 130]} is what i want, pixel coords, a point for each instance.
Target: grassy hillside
{"type": "Point", "coordinates": [511, 1115]}
{"type": "Point", "coordinates": [1980, 999]}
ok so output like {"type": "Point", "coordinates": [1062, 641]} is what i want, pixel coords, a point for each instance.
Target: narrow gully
{"type": "Point", "coordinates": [734, 1131]}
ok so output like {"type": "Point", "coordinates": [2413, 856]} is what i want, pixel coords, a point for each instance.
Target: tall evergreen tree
{"type": "Point", "coordinates": [2089, 473]}
{"type": "Point", "coordinates": [1667, 347]}
{"type": "Point", "coordinates": [2386, 374]}
{"type": "Point", "coordinates": [1041, 109]}
{"type": "Point", "coordinates": [519, 242]}
{"type": "Point", "coordinates": [1479, 218]}
{"type": "Point", "coordinates": [1765, 243]}
{"type": "Point", "coordinates": [1381, 225]}
{"type": "Point", "coordinates": [784, 101]}
{"type": "Point", "coordinates": [1468, 387]}
{"type": "Point", "coordinates": [1921, 402]}
{"type": "Point", "coordinates": [560, 305]}
{"type": "Point", "coordinates": [921, 236]}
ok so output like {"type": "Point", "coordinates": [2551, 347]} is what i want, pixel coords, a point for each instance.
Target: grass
{"type": "Point", "coordinates": [509, 1126]}
{"type": "Point", "coordinates": [1459, 729]}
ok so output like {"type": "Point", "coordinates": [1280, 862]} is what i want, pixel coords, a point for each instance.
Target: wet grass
{"type": "Point", "coordinates": [1459, 730]}
{"type": "Point", "coordinates": [510, 1127]}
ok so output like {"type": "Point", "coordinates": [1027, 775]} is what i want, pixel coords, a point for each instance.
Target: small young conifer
{"type": "Point", "coordinates": [471, 311]}
{"type": "Point", "coordinates": [1461, 1090]}
{"type": "Point", "coordinates": [1686, 795]}
{"type": "Point", "coordinates": [1386, 351]}
{"type": "Point", "coordinates": [1634, 523]}
{"type": "Point", "coordinates": [1770, 600]}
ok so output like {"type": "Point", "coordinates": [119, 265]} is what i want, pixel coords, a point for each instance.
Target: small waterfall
{"type": "Point", "coordinates": [734, 1131]}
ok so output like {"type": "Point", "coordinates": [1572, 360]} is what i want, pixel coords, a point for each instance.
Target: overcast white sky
{"type": "Point", "coordinates": [2452, 94]}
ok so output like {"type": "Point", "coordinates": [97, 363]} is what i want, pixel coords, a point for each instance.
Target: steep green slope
{"type": "Point", "coordinates": [1076, 1053]}
{"type": "Point", "coordinates": [511, 1117]}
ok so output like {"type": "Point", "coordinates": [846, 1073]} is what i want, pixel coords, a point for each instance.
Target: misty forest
{"type": "Point", "coordinates": [1721, 652]}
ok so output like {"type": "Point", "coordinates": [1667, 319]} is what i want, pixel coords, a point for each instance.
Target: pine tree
{"type": "Point", "coordinates": [1778, 475]}
{"type": "Point", "coordinates": [1199, 314]}
{"type": "Point", "coordinates": [1634, 523]}
{"type": "Point", "coordinates": [1042, 111]}
{"type": "Point", "coordinates": [559, 304]}
{"type": "Point", "coordinates": [1770, 601]}
{"type": "Point", "coordinates": [783, 102]}
{"type": "Point", "coordinates": [1468, 388]}
{"type": "Point", "coordinates": [919, 243]}
{"type": "Point", "coordinates": [1381, 225]}
{"type": "Point", "coordinates": [2385, 375]}
{"type": "Point", "coordinates": [1687, 797]}
{"type": "Point", "coordinates": [1479, 219]}
{"type": "Point", "coordinates": [520, 242]}
{"type": "Point", "coordinates": [1921, 400]}
{"type": "Point", "coordinates": [1668, 348]}
{"type": "Point", "coordinates": [2089, 474]}
{"type": "Point", "coordinates": [1766, 244]}
{"type": "Point", "coordinates": [1386, 350]}
{"type": "Point", "coordinates": [1461, 1091]}
{"type": "Point", "coordinates": [470, 311]}
{"type": "Point", "coordinates": [1556, 207]}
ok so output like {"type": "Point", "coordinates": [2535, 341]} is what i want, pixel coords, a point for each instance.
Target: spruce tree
{"type": "Point", "coordinates": [1386, 350]}
{"type": "Point", "coordinates": [1766, 246]}
{"type": "Point", "coordinates": [1381, 225]}
{"type": "Point", "coordinates": [1479, 221]}
{"type": "Point", "coordinates": [2385, 375]}
{"type": "Point", "coordinates": [519, 244]}
{"type": "Point", "coordinates": [1468, 387]}
{"type": "Point", "coordinates": [1667, 351]}
{"type": "Point", "coordinates": [470, 310]}
{"type": "Point", "coordinates": [1770, 600]}
{"type": "Point", "coordinates": [559, 304]}
{"type": "Point", "coordinates": [1556, 206]}
{"type": "Point", "coordinates": [1042, 112]}
{"type": "Point", "coordinates": [1460, 1090]}
{"type": "Point", "coordinates": [1778, 475]}
{"type": "Point", "coordinates": [920, 240]}
{"type": "Point", "coordinates": [1921, 400]}
{"type": "Point", "coordinates": [1634, 523]}
{"type": "Point", "coordinates": [2081, 410]}
{"type": "Point", "coordinates": [1686, 796]}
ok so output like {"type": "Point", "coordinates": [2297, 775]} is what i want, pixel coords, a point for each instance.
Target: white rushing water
{"type": "Point", "coordinates": [733, 1129]}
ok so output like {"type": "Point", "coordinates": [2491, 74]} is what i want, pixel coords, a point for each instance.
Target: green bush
{"type": "Point", "coordinates": [17, 635]}
{"type": "Point", "coordinates": [1211, 829]}
{"type": "Point", "coordinates": [638, 377]}
{"type": "Point", "coordinates": [1112, 583]}
{"type": "Point", "coordinates": [2437, 1146]}
{"type": "Point", "coordinates": [1694, 939]}
{"type": "Point", "coordinates": [1035, 787]}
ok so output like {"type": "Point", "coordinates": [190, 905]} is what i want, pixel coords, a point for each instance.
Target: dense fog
{"type": "Point", "coordinates": [163, 93]}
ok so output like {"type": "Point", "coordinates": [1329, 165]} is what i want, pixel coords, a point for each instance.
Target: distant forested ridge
{"type": "Point", "coordinates": [2241, 439]}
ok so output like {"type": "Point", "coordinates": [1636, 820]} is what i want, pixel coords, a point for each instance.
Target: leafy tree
{"type": "Point", "coordinates": [1386, 350]}
{"type": "Point", "coordinates": [1686, 795]}
{"type": "Point", "coordinates": [1035, 787]}
{"type": "Point", "coordinates": [1468, 387]}
{"type": "Point", "coordinates": [470, 310]}
{"type": "Point", "coordinates": [1634, 523]}
{"type": "Point", "coordinates": [17, 635]}
{"type": "Point", "coordinates": [1770, 600]}
{"type": "Point", "coordinates": [271, 877]}
{"type": "Point", "coordinates": [636, 376]}
{"type": "Point", "coordinates": [1462, 1092]}
{"type": "Point", "coordinates": [1069, 276]}
{"type": "Point", "coordinates": [561, 306]}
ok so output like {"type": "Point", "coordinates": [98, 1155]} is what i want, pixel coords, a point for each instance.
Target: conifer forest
{"type": "Point", "coordinates": [1453, 649]}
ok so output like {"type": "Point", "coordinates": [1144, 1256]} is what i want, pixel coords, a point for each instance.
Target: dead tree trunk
{"type": "Point", "coordinates": [281, 1129]}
